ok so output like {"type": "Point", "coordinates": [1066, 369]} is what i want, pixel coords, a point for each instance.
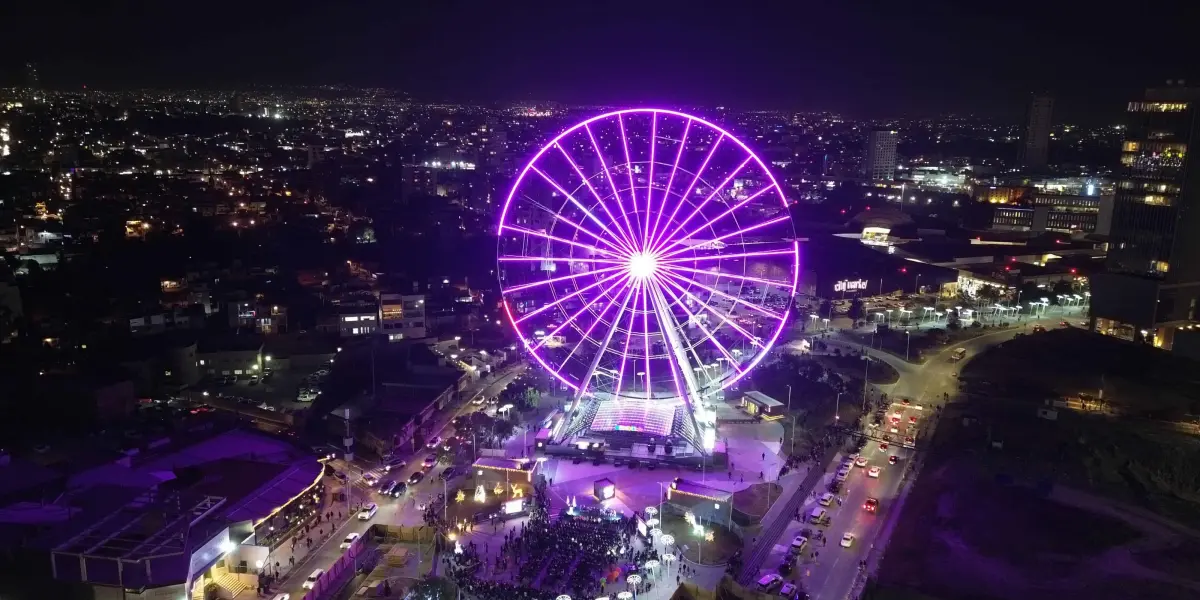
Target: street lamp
{"type": "Point", "coordinates": [907, 342]}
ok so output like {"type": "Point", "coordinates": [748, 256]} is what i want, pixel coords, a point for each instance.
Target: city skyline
{"type": "Point", "coordinates": [873, 62]}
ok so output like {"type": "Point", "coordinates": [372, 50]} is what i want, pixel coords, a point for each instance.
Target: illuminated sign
{"type": "Point", "coordinates": [514, 506]}
{"type": "Point", "coordinates": [608, 491]}
{"type": "Point", "coordinates": [850, 285]}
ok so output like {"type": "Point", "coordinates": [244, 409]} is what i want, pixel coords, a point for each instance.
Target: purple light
{"type": "Point", "coordinates": [671, 237]}
{"type": "Point", "coordinates": [670, 180]}
{"type": "Point", "coordinates": [642, 264]}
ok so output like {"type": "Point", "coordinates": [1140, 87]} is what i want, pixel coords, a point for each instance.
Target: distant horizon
{"type": "Point", "coordinates": [262, 87]}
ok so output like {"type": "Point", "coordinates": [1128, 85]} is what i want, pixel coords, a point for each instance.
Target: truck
{"type": "Point", "coordinates": [958, 354]}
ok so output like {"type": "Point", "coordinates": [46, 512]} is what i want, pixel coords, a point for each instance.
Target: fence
{"type": "Point", "coordinates": [331, 581]}
{"type": "Point", "coordinates": [402, 534]}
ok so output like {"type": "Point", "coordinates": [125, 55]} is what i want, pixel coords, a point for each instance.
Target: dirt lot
{"type": "Point", "coordinates": [964, 534]}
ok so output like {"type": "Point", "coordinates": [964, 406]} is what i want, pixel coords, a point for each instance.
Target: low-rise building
{"type": "Point", "coordinates": [402, 316]}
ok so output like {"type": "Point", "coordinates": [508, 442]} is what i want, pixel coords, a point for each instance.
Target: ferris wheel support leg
{"type": "Point", "coordinates": [676, 348]}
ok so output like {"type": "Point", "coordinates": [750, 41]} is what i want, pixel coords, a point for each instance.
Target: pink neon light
{"type": "Point", "coordinates": [621, 239]}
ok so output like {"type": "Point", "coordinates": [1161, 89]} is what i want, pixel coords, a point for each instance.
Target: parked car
{"type": "Point", "coordinates": [348, 541]}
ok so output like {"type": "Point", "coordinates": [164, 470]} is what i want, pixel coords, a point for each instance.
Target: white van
{"type": "Point", "coordinates": [311, 582]}
{"type": "Point", "coordinates": [958, 354]}
{"type": "Point", "coordinates": [818, 515]}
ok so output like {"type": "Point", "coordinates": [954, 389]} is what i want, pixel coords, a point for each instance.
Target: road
{"type": "Point", "coordinates": [834, 572]}
{"type": "Point", "coordinates": [396, 511]}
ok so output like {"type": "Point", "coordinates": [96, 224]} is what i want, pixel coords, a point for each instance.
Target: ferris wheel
{"type": "Point", "coordinates": [647, 254]}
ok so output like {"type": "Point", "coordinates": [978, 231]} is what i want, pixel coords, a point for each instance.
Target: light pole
{"type": "Point", "coordinates": [789, 404]}
{"type": "Point", "coordinates": [907, 342]}
{"type": "Point", "coordinates": [837, 405]}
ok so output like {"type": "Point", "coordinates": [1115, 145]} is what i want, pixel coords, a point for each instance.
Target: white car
{"type": "Point", "coordinates": [368, 511]}
{"type": "Point", "coordinates": [847, 540]}
{"type": "Point", "coordinates": [313, 578]}
{"type": "Point", "coordinates": [433, 443]}
{"type": "Point", "coordinates": [282, 597]}
{"type": "Point", "coordinates": [370, 479]}
{"type": "Point", "coordinates": [799, 542]}
{"type": "Point", "coordinates": [860, 461]}
{"type": "Point", "coordinates": [873, 472]}
{"type": "Point", "coordinates": [349, 540]}
{"type": "Point", "coordinates": [826, 499]}
{"type": "Point", "coordinates": [842, 474]}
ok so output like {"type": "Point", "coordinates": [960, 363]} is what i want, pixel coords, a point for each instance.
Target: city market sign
{"type": "Point", "coordinates": [850, 285]}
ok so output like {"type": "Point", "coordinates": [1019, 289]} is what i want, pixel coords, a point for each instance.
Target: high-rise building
{"type": "Point", "coordinates": [1035, 145]}
{"type": "Point", "coordinates": [1153, 281]}
{"type": "Point", "coordinates": [879, 164]}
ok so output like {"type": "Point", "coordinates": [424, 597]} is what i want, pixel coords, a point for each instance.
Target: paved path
{"type": "Point", "coordinates": [795, 489]}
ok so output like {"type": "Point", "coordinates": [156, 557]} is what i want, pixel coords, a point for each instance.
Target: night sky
{"type": "Point", "coordinates": [855, 57]}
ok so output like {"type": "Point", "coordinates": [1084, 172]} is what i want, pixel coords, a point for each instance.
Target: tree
{"type": "Point", "coordinates": [826, 309]}
{"type": "Point", "coordinates": [857, 309]}
{"type": "Point", "coordinates": [988, 293]}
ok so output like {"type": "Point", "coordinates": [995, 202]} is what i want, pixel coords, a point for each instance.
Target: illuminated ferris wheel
{"type": "Point", "coordinates": [648, 255]}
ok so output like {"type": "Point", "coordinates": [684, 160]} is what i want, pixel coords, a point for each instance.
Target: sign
{"type": "Point", "coordinates": [513, 506]}
{"type": "Point", "coordinates": [850, 285]}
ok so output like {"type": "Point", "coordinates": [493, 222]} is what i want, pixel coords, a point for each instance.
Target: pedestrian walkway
{"type": "Point", "coordinates": [795, 490]}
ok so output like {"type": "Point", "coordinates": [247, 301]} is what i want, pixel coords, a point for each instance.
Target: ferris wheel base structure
{"type": "Point", "coordinates": [666, 428]}
{"type": "Point", "coordinates": [647, 261]}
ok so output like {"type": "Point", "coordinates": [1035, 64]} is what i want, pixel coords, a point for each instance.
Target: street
{"type": "Point", "coordinates": [395, 511]}
{"type": "Point", "coordinates": [835, 571]}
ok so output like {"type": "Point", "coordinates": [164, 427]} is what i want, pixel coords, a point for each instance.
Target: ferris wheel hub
{"type": "Point", "coordinates": [643, 265]}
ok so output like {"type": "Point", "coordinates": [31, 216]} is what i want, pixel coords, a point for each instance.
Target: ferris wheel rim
{"type": "Point", "coordinates": [667, 242]}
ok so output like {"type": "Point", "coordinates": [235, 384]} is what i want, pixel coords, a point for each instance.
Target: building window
{"type": "Point", "coordinates": [350, 319]}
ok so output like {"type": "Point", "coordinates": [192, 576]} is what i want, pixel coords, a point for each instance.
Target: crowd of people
{"type": "Point", "coordinates": [542, 558]}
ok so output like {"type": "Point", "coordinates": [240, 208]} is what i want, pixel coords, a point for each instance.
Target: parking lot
{"type": "Point", "coordinates": [278, 391]}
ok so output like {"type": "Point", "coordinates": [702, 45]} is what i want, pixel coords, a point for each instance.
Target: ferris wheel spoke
{"type": "Point", "coordinates": [577, 292]}
{"type": "Point", "coordinates": [628, 337]}
{"type": "Point", "coordinates": [558, 239]}
{"type": "Point", "coordinates": [612, 184]}
{"type": "Point", "coordinates": [586, 212]}
{"type": "Point", "coordinates": [670, 237]}
{"type": "Point", "coordinates": [709, 335]}
{"type": "Point", "coordinates": [760, 254]}
{"type": "Point", "coordinates": [650, 175]}
{"type": "Point", "coordinates": [536, 356]}
{"type": "Point", "coordinates": [683, 197]}
{"type": "Point", "coordinates": [735, 299]}
{"type": "Point", "coordinates": [675, 361]}
{"type": "Point", "coordinates": [629, 172]}
{"type": "Point", "coordinates": [729, 235]}
{"type": "Point", "coordinates": [624, 237]}
{"type": "Point", "coordinates": [566, 259]}
{"type": "Point", "coordinates": [754, 340]}
{"type": "Point", "coordinates": [679, 241]}
{"type": "Point", "coordinates": [603, 347]}
{"type": "Point", "coordinates": [587, 334]}
{"type": "Point", "coordinates": [583, 309]}
{"type": "Point", "coordinates": [671, 179]}
{"type": "Point", "coordinates": [720, 274]}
